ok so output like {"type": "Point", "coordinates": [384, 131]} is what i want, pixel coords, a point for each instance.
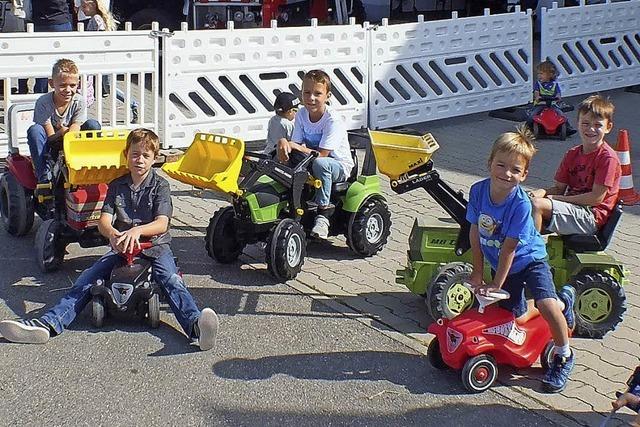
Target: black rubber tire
{"type": "Point", "coordinates": [221, 241]}
{"type": "Point", "coordinates": [475, 369]}
{"type": "Point", "coordinates": [97, 311]}
{"type": "Point", "coordinates": [435, 355]}
{"type": "Point", "coordinates": [153, 311]}
{"type": "Point", "coordinates": [16, 206]}
{"type": "Point", "coordinates": [369, 227]}
{"type": "Point", "coordinates": [286, 249]}
{"type": "Point", "coordinates": [450, 275]}
{"type": "Point", "coordinates": [563, 131]}
{"type": "Point", "coordinates": [546, 356]}
{"type": "Point", "coordinates": [536, 130]}
{"type": "Point", "coordinates": [597, 290]}
{"type": "Point", "coordinates": [50, 248]}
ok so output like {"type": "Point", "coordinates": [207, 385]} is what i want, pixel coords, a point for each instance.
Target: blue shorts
{"type": "Point", "coordinates": [536, 278]}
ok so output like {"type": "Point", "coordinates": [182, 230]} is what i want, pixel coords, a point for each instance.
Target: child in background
{"type": "Point", "coordinates": [100, 19]}
{"type": "Point", "coordinates": [502, 231]}
{"type": "Point", "coordinates": [318, 128]}
{"type": "Point", "coordinates": [281, 124]}
{"type": "Point", "coordinates": [546, 87]}
{"type": "Point", "coordinates": [56, 113]}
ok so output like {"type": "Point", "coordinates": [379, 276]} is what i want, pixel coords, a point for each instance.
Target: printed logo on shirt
{"type": "Point", "coordinates": [488, 227]}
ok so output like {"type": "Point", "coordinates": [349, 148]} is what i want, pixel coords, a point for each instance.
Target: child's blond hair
{"type": "Point", "coordinates": [597, 105]}
{"type": "Point", "coordinates": [64, 66]}
{"type": "Point", "coordinates": [547, 67]}
{"type": "Point", "coordinates": [319, 76]}
{"type": "Point", "coordinates": [146, 137]}
{"type": "Point", "coordinates": [107, 17]}
{"type": "Point", "coordinates": [520, 142]}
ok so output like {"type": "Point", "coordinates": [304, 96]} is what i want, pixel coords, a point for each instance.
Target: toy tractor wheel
{"type": "Point", "coordinates": [479, 373]}
{"type": "Point", "coordinates": [221, 241]}
{"type": "Point", "coordinates": [50, 248]}
{"type": "Point", "coordinates": [536, 129]}
{"type": "Point", "coordinates": [600, 303]}
{"type": "Point", "coordinates": [435, 355]}
{"type": "Point", "coordinates": [369, 227]}
{"type": "Point", "coordinates": [16, 206]}
{"type": "Point", "coordinates": [563, 131]}
{"type": "Point", "coordinates": [154, 310]}
{"type": "Point", "coordinates": [546, 357]}
{"type": "Point", "coordinates": [98, 311]}
{"type": "Point", "coordinates": [286, 249]}
{"type": "Point", "coordinates": [447, 296]}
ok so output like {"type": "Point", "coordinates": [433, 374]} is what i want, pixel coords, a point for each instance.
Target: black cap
{"type": "Point", "coordinates": [285, 101]}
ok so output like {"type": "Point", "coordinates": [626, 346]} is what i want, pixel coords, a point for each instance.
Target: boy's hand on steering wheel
{"type": "Point", "coordinates": [284, 149]}
{"type": "Point", "coordinates": [129, 240]}
{"type": "Point", "coordinates": [113, 241]}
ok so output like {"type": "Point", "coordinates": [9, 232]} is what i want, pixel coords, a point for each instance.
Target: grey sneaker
{"type": "Point", "coordinates": [134, 114]}
{"type": "Point", "coordinates": [25, 331]}
{"type": "Point", "coordinates": [321, 227]}
{"type": "Point", "coordinates": [207, 329]}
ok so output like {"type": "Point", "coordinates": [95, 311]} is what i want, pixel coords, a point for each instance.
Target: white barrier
{"type": "Point", "coordinates": [595, 47]}
{"type": "Point", "coordinates": [131, 55]}
{"type": "Point", "coordinates": [225, 81]}
{"type": "Point", "coordinates": [432, 70]}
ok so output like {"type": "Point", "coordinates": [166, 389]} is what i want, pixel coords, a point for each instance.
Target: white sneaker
{"type": "Point", "coordinates": [321, 227]}
{"type": "Point", "coordinates": [25, 331]}
{"type": "Point", "coordinates": [207, 329]}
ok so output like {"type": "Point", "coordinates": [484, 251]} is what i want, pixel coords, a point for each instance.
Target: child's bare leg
{"type": "Point", "coordinates": [542, 209]}
{"type": "Point", "coordinates": [552, 313]}
{"type": "Point", "coordinates": [532, 312]}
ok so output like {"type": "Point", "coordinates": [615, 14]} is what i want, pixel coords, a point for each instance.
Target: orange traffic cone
{"type": "Point", "coordinates": [627, 194]}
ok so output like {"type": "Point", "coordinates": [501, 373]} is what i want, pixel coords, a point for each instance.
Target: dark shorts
{"type": "Point", "coordinates": [536, 278]}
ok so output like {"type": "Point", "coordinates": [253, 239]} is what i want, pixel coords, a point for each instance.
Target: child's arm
{"type": "Point", "coordinates": [624, 400]}
{"type": "Point", "coordinates": [130, 239]}
{"type": "Point", "coordinates": [505, 260]}
{"type": "Point", "coordinates": [592, 198]}
{"type": "Point", "coordinates": [477, 258]}
{"type": "Point", "coordinates": [306, 150]}
{"type": "Point", "coordinates": [536, 96]}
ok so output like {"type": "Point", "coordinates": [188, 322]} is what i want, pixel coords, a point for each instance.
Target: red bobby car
{"type": "Point", "coordinates": [478, 342]}
{"type": "Point", "coordinates": [549, 122]}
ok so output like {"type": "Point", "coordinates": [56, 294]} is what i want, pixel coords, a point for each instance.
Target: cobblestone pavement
{"type": "Point", "coordinates": [331, 272]}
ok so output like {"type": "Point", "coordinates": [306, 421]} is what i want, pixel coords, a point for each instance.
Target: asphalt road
{"type": "Point", "coordinates": [282, 358]}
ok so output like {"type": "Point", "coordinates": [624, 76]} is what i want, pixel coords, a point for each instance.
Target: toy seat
{"type": "Point", "coordinates": [343, 186]}
{"type": "Point", "coordinates": [596, 242]}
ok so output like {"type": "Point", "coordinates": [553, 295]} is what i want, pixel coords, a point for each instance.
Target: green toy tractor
{"type": "Point", "coordinates": [439, 259]}
{"type": "Point", "coordinates": [272, 204]}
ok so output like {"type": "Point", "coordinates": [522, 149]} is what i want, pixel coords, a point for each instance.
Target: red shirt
{"type": "Point", "coordinates": [581, 171]}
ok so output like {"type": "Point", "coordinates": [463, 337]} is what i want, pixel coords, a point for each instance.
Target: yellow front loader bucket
{"type": "Point", "coordinates": [211, 161]}
{"type": "Point", "coordinates": [397, 154]}
{"type": "Point", "coordinates": [95, 157]}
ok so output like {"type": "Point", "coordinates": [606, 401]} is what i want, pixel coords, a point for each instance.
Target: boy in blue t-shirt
{"type": "Point", "coordinates": [503, 232]}
{"type": "Point", "coordinates": [318, 128]}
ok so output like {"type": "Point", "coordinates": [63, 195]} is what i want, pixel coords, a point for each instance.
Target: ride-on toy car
{"type": "Point", "coordinates": [272, 203]}
{"type": "Point", "coordinates": [549, 123]}
{"type": "Point", "coordinates": [130, 287]}
{"type": "Point", "coordinates": [439, 259]}
{"type": "Point", "coordinates": [479, 340]}
{"type": "Point", "coordinates": [70, 205]}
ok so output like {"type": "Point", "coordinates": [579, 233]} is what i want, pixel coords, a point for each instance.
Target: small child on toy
{"type": "Point", "coordinates": [502, 231]}
{"type": "Point", "coordinates": [281, 124]}
{"type": "Point", "coordinates": [56, 113]}
{"type": "Point", "coordinates": [588, 178]}
{"type": "Point", "coordinates": [544, 88]}
{"type": "Point", "coordinates": [318, 128]}
{"type": "Point", "coordinates": [137, 206]}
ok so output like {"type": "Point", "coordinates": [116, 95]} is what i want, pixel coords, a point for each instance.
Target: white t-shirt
{"type": "Point", "coordinates": [328, 133]}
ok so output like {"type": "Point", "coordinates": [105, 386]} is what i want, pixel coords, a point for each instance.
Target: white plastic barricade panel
{"type": "Point", "coordinates": [431, 70]}
{"type": "Point", "coordinates": [128, 61]}
{"type": "Point", "coordinates": [595, 47]}
{"type": "Point", "coordinates": [225, 81]}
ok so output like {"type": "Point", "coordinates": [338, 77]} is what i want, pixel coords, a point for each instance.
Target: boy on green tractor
{"type": "Point", "coordinates": [439, 260]}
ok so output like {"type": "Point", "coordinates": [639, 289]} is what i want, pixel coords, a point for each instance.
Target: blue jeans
{"type": "Point", "coordinates": [37, 141]}
{"type": "Point", "coordinates": [164, 273]}
{"type": "Point", "coordinates": [536, 278]}
{"type": "Point", "coordinates": [328, 170]}
{"type": "Point", "coordinates": [42, 84]}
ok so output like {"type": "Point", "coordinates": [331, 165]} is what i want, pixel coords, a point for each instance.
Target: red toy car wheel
{"type": "Point", "coordinates": [479, 373]}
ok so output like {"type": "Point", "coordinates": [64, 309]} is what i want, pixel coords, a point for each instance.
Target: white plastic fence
{"type": "Point", "coordinates": [431, 70]}
{"type": "Point", "coordinates": [225, 81]}
{"type": "Point", "coordinates": [131, 56]}
{"type": "Point", "coordinates": [595, 47]}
